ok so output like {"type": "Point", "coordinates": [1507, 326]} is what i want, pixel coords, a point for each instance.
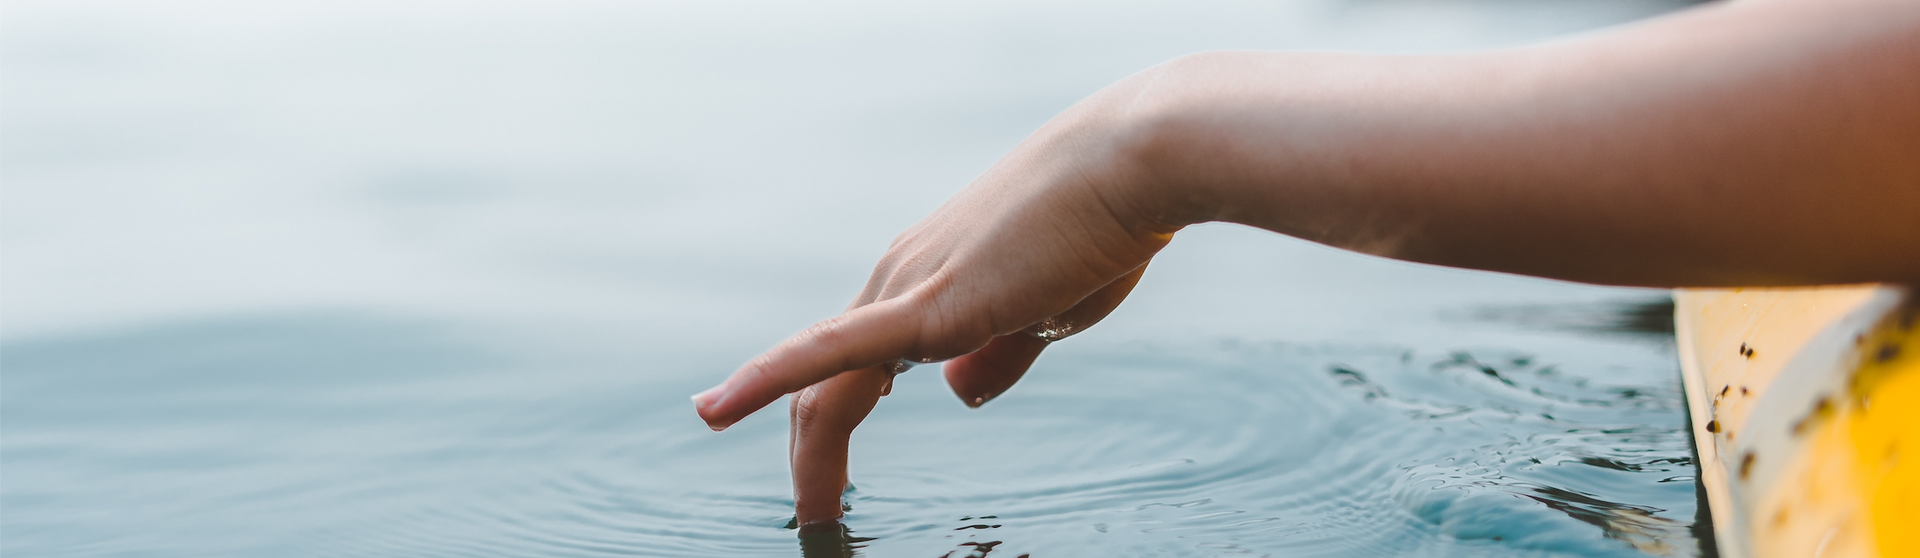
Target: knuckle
{"type": "Point", "coordinates": [830, 332]}
{"type": "Point", "coordinates": [829, 337]}
{"type": "Point", "coordinates": [945, 330]}
{"type": "Point", "coordinates": [805, 408]}
{"type": "Point", "coordinates": [906, 237]}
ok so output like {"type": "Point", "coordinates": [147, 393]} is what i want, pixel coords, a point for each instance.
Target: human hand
{"type": "Point", "coordinates": [1584, 160]}
{"type": "Point", "coordinates": [1042, 246]}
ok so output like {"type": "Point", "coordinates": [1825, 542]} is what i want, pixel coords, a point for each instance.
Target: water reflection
{"type": "Point", "coordinates": [1639, 526]}
{"type": "Point", "coordinates": [1650, 318]}
{"type": "Point", "coordinates": [829, 540]}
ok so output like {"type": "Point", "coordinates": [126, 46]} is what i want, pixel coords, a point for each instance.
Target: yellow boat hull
{"type": "Point", "coordinates": [1806, 415]}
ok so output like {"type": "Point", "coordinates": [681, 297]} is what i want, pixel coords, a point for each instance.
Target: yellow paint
{"type": "Point", "coordinates": [1884, 430]}
{"type": "Point", "coordinates": [1807, 437]}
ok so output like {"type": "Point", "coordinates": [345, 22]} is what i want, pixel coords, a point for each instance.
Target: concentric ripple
{"type": "Point", "coordinates": [352, 439]}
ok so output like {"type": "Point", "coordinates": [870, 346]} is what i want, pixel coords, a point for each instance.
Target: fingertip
{"type": "Point", "coordinates": [703, 401]}
{"type": "Point", "coordinates": [857, 339]}
{"type": "Point", "coordinates": [708, 404]}
{"type": "Point", "coordinates": [703, 407]}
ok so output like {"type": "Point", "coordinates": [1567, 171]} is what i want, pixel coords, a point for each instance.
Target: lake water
{"type": "Point", "coordinates": [435, 279]}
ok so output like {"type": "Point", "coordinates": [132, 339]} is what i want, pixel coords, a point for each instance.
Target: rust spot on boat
{"type": "Point", "coordinates": [1713, 426]}
{"type": "Point", "coordinates": [1746, 466]}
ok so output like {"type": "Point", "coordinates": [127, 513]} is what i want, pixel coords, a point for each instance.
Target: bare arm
{"type": "Point", "coordinates": [1744, 144]}
{"type": "Point", "coordinates": [1768, 142]}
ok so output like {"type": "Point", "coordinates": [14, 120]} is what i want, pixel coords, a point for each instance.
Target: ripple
{"type": "Point", "coordinates": [1248, 456]}
{"type": "Point", "coordinates": [1198, 451]}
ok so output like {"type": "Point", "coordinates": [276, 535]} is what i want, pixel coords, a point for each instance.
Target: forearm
{"type": "Point", "coordinates": [1763, 144]}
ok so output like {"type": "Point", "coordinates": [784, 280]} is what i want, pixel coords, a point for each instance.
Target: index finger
{"type": "Point", "coordinates": [860, 338]}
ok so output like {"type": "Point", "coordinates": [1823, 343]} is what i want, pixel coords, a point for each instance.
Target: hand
{"type": "Point", "coordinates": [1044, 245]}
{"type": "Point", "coordinates": [1776, 152]}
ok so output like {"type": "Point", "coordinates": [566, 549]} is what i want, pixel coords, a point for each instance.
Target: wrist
{"type": "Point", "coordinates": [1174, 143]}
{"type": "Point", "coordinates": [1147, 150]}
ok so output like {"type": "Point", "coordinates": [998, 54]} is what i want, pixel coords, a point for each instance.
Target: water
{"type": "Point", "coordinates": [418, 279]}
{"type": "Point", "coordinates": [340, 435]}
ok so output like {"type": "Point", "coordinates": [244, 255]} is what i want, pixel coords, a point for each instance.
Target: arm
{"type": "Point", "coordinates": [1753, 143]}
{"type": "Point", "coordinates": [1766, 142]}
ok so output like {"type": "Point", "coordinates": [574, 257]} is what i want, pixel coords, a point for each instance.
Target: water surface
{"type": "Point", "coordinates": [344, 435]}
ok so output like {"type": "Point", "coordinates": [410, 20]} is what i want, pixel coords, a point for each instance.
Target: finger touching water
{"type": "Point", "coordinates": [1040, 248]}
{"type": "Point", "coordinates": [823, 418]}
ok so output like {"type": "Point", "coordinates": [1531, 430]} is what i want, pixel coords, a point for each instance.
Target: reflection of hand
{"type": "Point", "coordinates": [829, 540]}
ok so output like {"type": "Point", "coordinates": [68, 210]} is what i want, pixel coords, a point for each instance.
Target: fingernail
{"type": "Point", "coordinates": [979, 400]}
{"type": "Point", "coordinates": [704, 403]}
{"type": "Point", "coordinates": [705, 399]}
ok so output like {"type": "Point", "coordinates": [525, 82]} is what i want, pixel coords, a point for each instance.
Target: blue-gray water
{"type": "Point", "coordinates": [340, 435]}
{"type": "Point", "coordinates": [435, 279]}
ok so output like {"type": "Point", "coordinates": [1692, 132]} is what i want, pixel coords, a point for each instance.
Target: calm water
{"type": "Point", "coordinates": [435, 279]}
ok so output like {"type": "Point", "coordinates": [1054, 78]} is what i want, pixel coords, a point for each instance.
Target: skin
{"type": "Point", "coordinates": [1766, 142]}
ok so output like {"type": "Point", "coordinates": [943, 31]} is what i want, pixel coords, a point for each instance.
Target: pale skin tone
{"type": "Point", "coordinates": [1765, 142]}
